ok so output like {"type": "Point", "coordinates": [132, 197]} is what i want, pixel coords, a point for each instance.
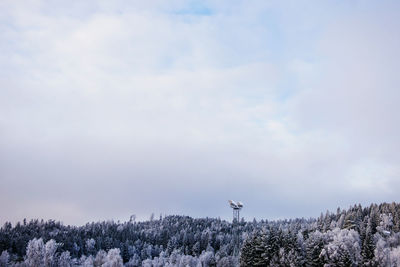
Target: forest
{"type": "Point", "coordinates": [358, 236]}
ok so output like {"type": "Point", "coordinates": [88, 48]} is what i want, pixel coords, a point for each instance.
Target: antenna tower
{"type": "Point", "coordinates": [236, 207]}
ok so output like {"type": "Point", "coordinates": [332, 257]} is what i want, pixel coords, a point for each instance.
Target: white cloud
{"type": "Point", "coordinates": [127, 106]}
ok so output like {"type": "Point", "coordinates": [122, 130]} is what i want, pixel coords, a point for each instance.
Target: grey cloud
{"type": "Point", "coordinates": [105, 114]}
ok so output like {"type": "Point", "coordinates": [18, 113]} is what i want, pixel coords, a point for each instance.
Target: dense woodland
{"type": "Point", "coordinates": [358, 236]}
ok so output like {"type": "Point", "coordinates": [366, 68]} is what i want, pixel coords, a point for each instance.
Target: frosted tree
{"type": "Point", "coordinates": [147, 263]}
{"type": "Point", "coordinates": [207, 258]}
{"type": "Point", "coordinates": [340, 221]}
{"type": "Point", "coordinates": [196, 248]}
{"type": "Point", "coordinates": [100, 259]}
{"type": "Point", "coordinates": [382, 252]}
{"type": "Point", "coordinates": [87, 261]}
{"type": "Point", "coordinates": [156, 262]}
{"type": "Point", "coordinates": [394, 257]}
{"type": "Point", "coordinates": [161, 260]}
{"type": "Point", "coordinates": [385, 224]}
{"type": "Point", "coordinates": [35, 253]}
{"type": "Point", "coordinates": [174, 257]}
{"type": "Point", "coordinates": [368, 244]}
{"type": "Point", "coordinates": [228, 261]}
{"type": "Point", "coordinates": [314, 245]}
{"type": "Point", "coordinates": [90, 246]}
{"type": "Point", "coordinates": [134, 261]}
{"type": "Point", "coordinates": [65, 259]}
{"type": "Point", "coordinates": [187, 260]}
{"type": "Point", "coordinates": [147, 251]}
{"type": "Point", "coordinates": [50, 249]}
{"type": "Point", "coordinates": [343, 248]}
{"type": "Point", "coordinates": [113, 258]}
{"type": "Point", "coordinates": [4, 258]}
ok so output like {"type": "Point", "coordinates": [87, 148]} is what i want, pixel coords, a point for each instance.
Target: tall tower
{"type": "Point", "coordinates": [236, 207]}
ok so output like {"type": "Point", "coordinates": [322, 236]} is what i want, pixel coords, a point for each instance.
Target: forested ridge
{"type": "Point", "coordinates": [357, 236]}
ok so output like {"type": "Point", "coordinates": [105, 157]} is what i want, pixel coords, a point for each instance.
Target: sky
{"type": "Point", "coordinates": [115, 108]}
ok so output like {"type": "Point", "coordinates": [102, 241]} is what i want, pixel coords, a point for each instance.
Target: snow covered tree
{"type": "Point", "coordinates": [50, 249]}
{"type": "Point", "coordinates": [343, 248]}
{"type": "Point", "coordinates": [113, 258]}
{"type": "Point", "coordinates": [314, 245]}
{"type": "Point", "coordinates": [90, 246]}
{"type": "Point", "coordinates": [35, 252]}
{"type": "Point", "coordinates": [368, 246]}
{"type": "Point", "coordinates": [4, 258]}
{"type": "Point", "coordinates": [100, 259]}
{"type": "Point", "coordinates": [382, 252]}
{"type": "Point", "coordinates": [207, 259]}
{"type": "Point", "coordinates": [252, 251]}
{"type": "Point", "coordinates": [65, 259]}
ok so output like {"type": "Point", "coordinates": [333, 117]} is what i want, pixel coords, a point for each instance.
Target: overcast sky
{"type": "Point", "coordinates": [114, 108]}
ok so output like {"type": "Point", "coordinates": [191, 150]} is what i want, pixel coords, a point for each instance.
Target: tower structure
{"type": "Point", "coordinates": [236, 207]}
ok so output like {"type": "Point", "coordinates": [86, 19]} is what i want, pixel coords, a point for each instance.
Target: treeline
{"type": "Point", "coordinates": [174, 240]}
{"type": "Point", "coordinates": [355, 237]}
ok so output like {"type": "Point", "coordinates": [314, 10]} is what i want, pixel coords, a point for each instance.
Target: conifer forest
{"type": "Point", "coordinates": [358, 236]}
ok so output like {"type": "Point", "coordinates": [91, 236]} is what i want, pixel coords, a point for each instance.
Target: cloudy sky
{"type": "Point", "coordinates": [113, 108]}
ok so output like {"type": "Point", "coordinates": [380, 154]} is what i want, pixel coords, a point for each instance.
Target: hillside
{"type": "Point", "coordinates": [358, 236]}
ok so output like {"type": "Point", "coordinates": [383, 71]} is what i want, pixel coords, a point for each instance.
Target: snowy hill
{"type": "Point", "coordinates": [354, 237]}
